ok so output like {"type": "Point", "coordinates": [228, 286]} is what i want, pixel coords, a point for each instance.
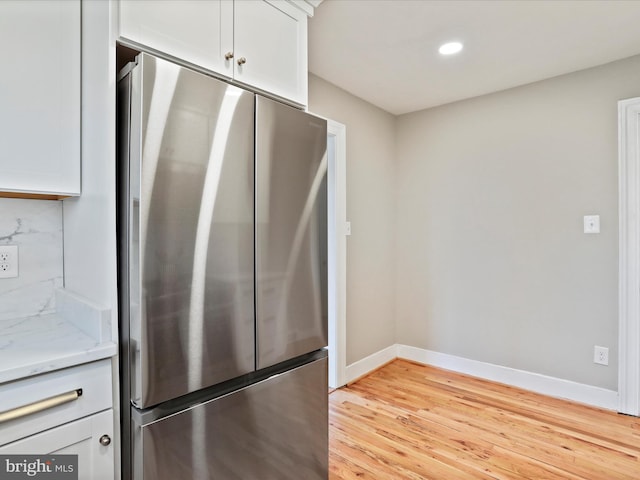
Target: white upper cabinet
{"type": "Point", "coordinates": [259, 43]}
{"type": "Point", "coordinates": [189, 30]}
{"type": "Point", "coordinates": [270, 47]}
{"type": "Point", "coordinates": [40, 97]}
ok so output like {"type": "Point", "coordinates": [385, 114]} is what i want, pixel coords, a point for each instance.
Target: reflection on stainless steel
{"type": "Point", "coordinates": [203, 231]}
{"type": "Point", "coordinates": [164, 87]}
{"type": "Point", "coordinates": [194, 324]}
{"type": "Point", "coordinates": [272, 430]}
{"type": "Point", "coordinates": [304, 223]}
{"type": "Point", "coordinates": [199, 445]}
{"type": "Point", "coordinates": [201, 250]}
{"type": "Point", "coordinates": [291, 232]}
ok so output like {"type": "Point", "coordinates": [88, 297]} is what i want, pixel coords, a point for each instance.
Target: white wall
{"type": "Point", "coordinates": [371, 210]}
{"type": "Point", "coordinates": [90, 220]}
{"type": "Point", "coordinates": [492, 264]}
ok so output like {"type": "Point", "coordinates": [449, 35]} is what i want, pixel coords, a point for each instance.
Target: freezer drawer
{"type": "Point", "coordinates": [276, 429]}
{"type": "Point", "coordinates": [291, 232]}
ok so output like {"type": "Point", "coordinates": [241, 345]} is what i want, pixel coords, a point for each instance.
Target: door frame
{"type": "Point", "coordinates": [629, 256]}
{"type": "Point", "coordinates": [337, 243]}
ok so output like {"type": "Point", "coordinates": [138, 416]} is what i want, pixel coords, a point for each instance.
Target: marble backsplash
{"type": "Point", "coordinates": [36, 227]}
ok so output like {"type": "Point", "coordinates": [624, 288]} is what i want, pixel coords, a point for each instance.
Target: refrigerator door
{"type": "Point", "coordinates": [276, 429]}
{"type": "Point", "coordinates": [291, 232]}
{"type": "Point", "coordinates": [190, 232]}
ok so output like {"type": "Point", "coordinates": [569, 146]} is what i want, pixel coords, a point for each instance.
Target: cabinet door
{"type": "Point", "coordinates": [82, 438]}
{"type": "Point", "coordinates": [272, 37]}
{"type": "Point", "coordinates": [40, 96]}
{"type": "Point", "coordinates": [196, 31]}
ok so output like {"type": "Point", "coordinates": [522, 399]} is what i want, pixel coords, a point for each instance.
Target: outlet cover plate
{"type": "Point", "coordinates": [601, 355]}
{"type": "Point", "coordinates": [8, 261]}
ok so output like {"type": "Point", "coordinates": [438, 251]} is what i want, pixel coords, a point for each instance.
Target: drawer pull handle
{"type": "Point", "coordinates": [40, 405]}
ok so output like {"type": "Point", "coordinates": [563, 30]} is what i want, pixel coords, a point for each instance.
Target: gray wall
{"type": "Point", "coordinates": [473, 211]}
{"type": "Point", "coordinates": [492, 264]}
{"type": "Point", "coordinates": [371, 209]}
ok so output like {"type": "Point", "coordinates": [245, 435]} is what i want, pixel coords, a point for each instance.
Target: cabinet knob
{"type": "Point", "coordinates": [242, 61]}
{"type": "Point", "coordinates": [105, 440]}
{"type": "Point", "coordinates": [228, 55]}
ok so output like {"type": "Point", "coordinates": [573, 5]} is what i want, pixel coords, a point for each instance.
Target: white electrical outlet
{"type": "Point", "coordinates": [8, 261]}
{"type": "Point", "coordinates": [601, 355]}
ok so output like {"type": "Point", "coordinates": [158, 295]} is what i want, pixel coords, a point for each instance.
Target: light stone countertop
{"type": "Point", "coordinates": [78, 333]}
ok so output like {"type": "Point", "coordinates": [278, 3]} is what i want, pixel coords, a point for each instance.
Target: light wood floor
{"type": "Point", "coordinates": [417, 422]}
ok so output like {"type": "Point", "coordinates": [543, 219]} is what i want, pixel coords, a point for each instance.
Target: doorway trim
{"type": "Point", "coordinates": [337, 183]}
{"type": "Point", "coordinates": [629, 256]}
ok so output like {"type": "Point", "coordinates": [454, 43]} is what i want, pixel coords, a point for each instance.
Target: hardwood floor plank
{"type": "Point", "coordinates": [469, 455]}
{"type": "Point", "coordinates": [418, 422]}
{"type": "Point", "coordinates": [400, 430]}
{"type": "Point", "coordinates": [415, 454]}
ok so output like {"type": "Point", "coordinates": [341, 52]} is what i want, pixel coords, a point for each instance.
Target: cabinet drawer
{"type": "Point", "coordinates": [94, 379]}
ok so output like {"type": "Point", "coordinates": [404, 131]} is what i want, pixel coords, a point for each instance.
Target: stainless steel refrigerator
{"type": "Point", "coordinates": [222, 280]}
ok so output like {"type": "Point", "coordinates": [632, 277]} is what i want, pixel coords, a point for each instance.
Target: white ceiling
{"type": "Point", "coordinates": [385, 51]}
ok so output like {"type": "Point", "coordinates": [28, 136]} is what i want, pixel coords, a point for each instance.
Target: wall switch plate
{"type": "Point", "coordinates": [8, 261]}
{"type": "Point", "coordinates": [347, 228]}
{"type": "Point", "coordinates": [601, 355]}
{"type": "Point", "coordinates": [592, 224]}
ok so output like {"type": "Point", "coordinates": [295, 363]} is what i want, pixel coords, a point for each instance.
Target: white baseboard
{"type": "Point", "coordinates": [370, 363]}
{"type": "Point", "coordinates": [535, 382]}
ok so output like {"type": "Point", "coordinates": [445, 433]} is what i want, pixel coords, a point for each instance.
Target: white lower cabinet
{"type": "Point", "coordinates": [90, 438]}
{"type": "Point", "coordinates": [66, 411]}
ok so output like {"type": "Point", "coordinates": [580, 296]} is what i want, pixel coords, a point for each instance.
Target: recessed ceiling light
{"type": "Point", "coordinates": [450, 48]}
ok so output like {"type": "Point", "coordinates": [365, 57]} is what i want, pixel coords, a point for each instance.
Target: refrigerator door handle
{"type": "Point", "coordinates": [135, 314]}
